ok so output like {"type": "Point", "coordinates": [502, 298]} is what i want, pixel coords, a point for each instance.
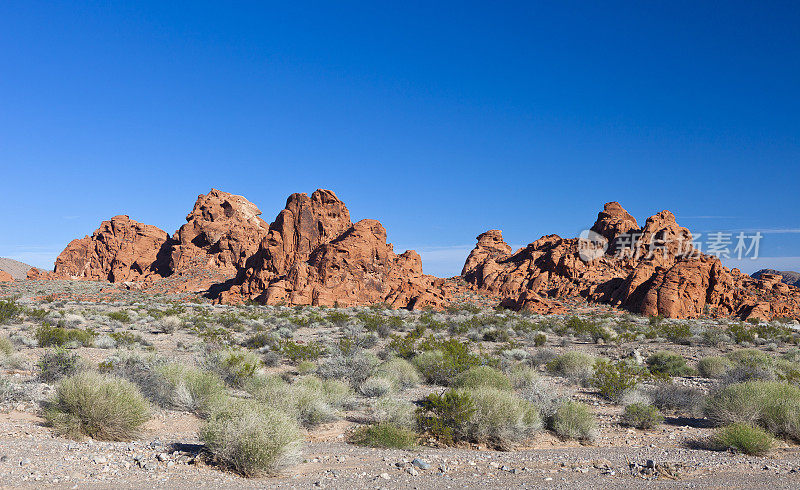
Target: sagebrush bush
{"type": "Point", "coordinates": [574, 420]}
{"type": "Point", "coordinates": [400, 372]}
{"type": "Point", "coordinates": [354, 367]}
{"type": "Point", "coordinates": [57, 364]}
{"type": "Point", "coordinates": [743, 438]}
{"type": "Point", "coordinates": [641, 416]}
{"type": "Point", "coordinates": [773, 405]}
{"type": "Point", "coordinates": [98, 406]}
{"type": "Point", "coordinates": [482, 376]}
{"type": "Point", "coordinates": [668, 364]}
{"type": "Point", "coordinates": [309, 400]}
{"type": "Point", "coordinates": [252, 438]}
{"type": "Point", "coordinates": [686, 400]}
{"type": "Point", "coordinates": [384, 435]}
{"type": "Point", "coordinates": [574, 365]}
{"type": "Point", "coordinates": [374, 387]}
{"type": "Point", "coordinates": [522, 377]}
{"type": "Point", "coordinates": [6, 346]}
{"type": "Point", "coordinates": [191, 388]}
{"type": "Point", "coordinates": [714, 367]}
{"type": "Point", "coordinates": [394, 411]}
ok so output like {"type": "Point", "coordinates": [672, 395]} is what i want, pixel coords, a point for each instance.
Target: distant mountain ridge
{"type": "Point", "coordinates": [791, 278]}
{"type": "Point", "coordinates": [17, 269]}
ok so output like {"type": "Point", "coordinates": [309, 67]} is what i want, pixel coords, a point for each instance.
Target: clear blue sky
{"type": "Point", "coordinates": [440, 119]}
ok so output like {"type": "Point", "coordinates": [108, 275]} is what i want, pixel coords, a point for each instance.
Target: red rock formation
{"type": "Point", "coordinates": [6, 277]}
{"type": "Point", "coordinates": [120, 250]}
{"type": "Point", "coordinates": [221, 233]}
{"type": "Point", "coordinates": [653, 270]}
{"type": "Point", "coordinates": [314, 255]}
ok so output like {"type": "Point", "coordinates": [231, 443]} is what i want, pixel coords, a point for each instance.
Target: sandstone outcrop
{"type": "Point", "coordinates": [121, 249]}
{"type": "Point", "coordinates": [6, 277]}
{"type": "Point", "coordinates": [314, 255]}
{"type": "Point", "coordinates": [654, 270]}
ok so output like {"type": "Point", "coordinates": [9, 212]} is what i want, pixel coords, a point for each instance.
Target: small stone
{"type": "Point", "coordinates": [386, 476]}
{"type": "Point", "coordinates": [411, 471]}
{"type": "Point", "coordinates": [162, 457]}
{"type": "Point", "coordinates": [99, 460]}
{"type": "Point", "coordinates": [423, 465]}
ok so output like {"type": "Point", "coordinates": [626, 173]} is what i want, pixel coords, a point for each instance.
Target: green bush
{"type": "Point", "coordinates": [573, 365]}
{"type": "Point", "coordinates": [613, 379]}
{"type": "Point", "coordinates": [714, 367]}
{"type": "Point", "coordinates": [773, 405]}
{"type": "Point", "coordinates": [252, 438]}
{"type": "Point", "coordinates": [539, 339]}
{"type": "Point", "coordinates": [394, 411]}
{"type": "Point", "coordinates": [98, 406]}
{"type": "Point", "coordinates": [743, 438]}
{"type": "Point", "coordinates": [574, 420]}
{"type": "Point", "coordinates": [384, 435]}
{"type": "Point", "coordinates": [235, 366]}
{"type": "Point", "coordinates": [9, 311]}
{"type": "Point", "coordinates": [296, 353]}
{"type": "Point", "coordinates": [641, 416]}
{"type": "Point", "coordinates": [668, 364]}
{"type": "Point", "coordinates": [445, 360]}
{"type": "Point", "coordinates": [482, 376]}
{"type": "Point", "coordinates": [400, 372]}
{"type": "Point", "coordinates": [306, 367]}
{"type": "Point", "coordinates": [444, 416]}
{"type": "Point", "coordinates": [50, 336]}
{"type": "Point", "coordinates": [120, 316]}
{"type": "Point", "coordinates": [374, 387]}
{"type": "Point", "coordinates": [57, 364]}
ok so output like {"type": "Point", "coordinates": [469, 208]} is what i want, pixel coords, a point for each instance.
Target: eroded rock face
{"type": "Point", "coordinates": [6, 277]}
{"type": "Point", "coordinates": [120, 250]}
{"type": "Point", "coordinates": [221, 232]}
{"type": "Point", "coordinates": [652, 271]}
{"type": "Point", "coordinates": [314, 255]}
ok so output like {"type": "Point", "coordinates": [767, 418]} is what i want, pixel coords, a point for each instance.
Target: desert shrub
{"type": "Point", "coordinates": [125, 338]}
{"type": "Point", "coordinates": [50, 336]}
{"type": "Point", "coordinates": [574, 420]}
{"type": "Point", "coordinates": [98, 406]}
{"type": "Point", "coordinates": [677, 333]}
{"type": "Point", "coordinates": [668, 364]}
{"type": "Point", "coordinates": [612, 380]}
{"type": "Point", "coordinates": [58, 363]}
{"type": "Point", "coordinates": [306, 367]}
{"type": "Point", "coordinates": [191, 388]}
{"type": "Point", "coordinates": [120, 316]}
{"type": "Point", "coordinates": [252, 438]}
{"type": "Point", "coordinates": [687, 400]}
{"type": "Point", "coordinates": [235, 366]}
{"type": "Point", "coordinates": [539, 339]}
{"type": "Point", "coordinates": [140, 371]}
{"type": "Point", "coordinates": [743, 438]}
{"type": "Point", "coordinates": [586, 328]}
{"type": "Point", "coordinates": [384, 435]}
{"type": "Point", "coordinates": [522, 377]}
{"type": "Point", "coordinates": [773, 405]}
{"type": "Point", "coordinates": [442, 361]}
{"type": "Point", "coordinates": [296, 352]}
{"type": "Point", "coordinates": [354, 367]}
{"type": "Point", "coordinates": [394, 411]}
{"type": "Point", "coordinates": [444, 416]}
{"type": "Point", "coordinates": [714, 367]}
{"type": "Point", "coordinates": [374, 387]}
{"type": "Point", "coordinates": [500, 417]}
{"type": "Point", "coordinates": [482, 376]}
{"type": "Point", "coordinates": [310, 401]}
{"type": "Point", "coordinates": [574, 365]}
{"type": "Point", "coordinates": [6, 347]}
{"type": "Point", "coordinates": [9, 311]}
{"type": "Point", "coordinates": [641, 416]}
{"type": "Point", "coordinates": [400, 372]}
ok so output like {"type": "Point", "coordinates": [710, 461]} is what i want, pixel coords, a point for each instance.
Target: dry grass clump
{"type": "Point", "coordinates": [384, 435]}
{"type": "Point", "coordinates": [98, 406]}
{"type": "Point", "coordinates": [641, 416]}
{"type": "Point", "coordinates": [743, 438]}
{"type": "Point", "coordinates": [576, 366]}
{"type": "Point", "coordinates": [400, 372]}
{"type": "Point", "coordinates": [190, 388]}
{"type": "Point", "coordinates": [482, 376]}
{"type": "Point", "coordinates": [773, 405]}
{"type": "Point", "coordinates": [574, 420]}
{"type": "Point", "coordinates": [252, 438]}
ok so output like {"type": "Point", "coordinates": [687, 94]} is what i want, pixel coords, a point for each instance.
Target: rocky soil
{"type": "Point", "coordinates": [169, 452]}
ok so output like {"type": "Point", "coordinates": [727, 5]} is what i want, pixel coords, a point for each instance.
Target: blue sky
{"type": "Point", "coordinates": [440, 119]}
